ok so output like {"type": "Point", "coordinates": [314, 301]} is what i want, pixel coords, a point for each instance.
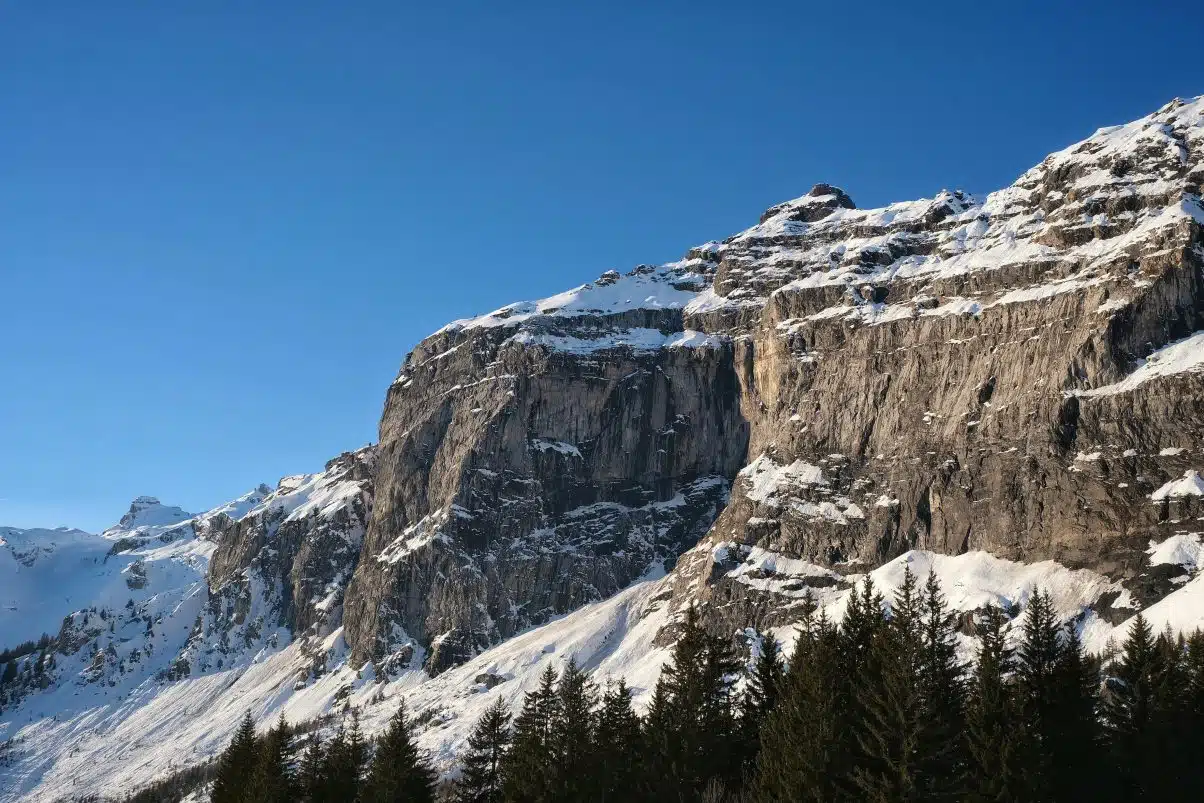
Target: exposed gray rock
{"type": "Point", "coordinates": [947, 369]}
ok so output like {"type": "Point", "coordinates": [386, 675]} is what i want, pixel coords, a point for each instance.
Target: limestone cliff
{"type": "Point", "coordinates": [953, 373]}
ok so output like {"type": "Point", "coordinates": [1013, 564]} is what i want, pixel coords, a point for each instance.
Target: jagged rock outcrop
{"type": "Point", "coordinates": [300, 543]}
{"type": "Point", "coordinates": [283, 558]}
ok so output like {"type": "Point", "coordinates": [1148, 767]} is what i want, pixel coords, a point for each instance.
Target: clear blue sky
{"type": "Point", "coordinates": [223, 224]}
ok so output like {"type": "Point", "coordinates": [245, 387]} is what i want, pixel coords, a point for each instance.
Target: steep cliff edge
{"type": "Point", "coordinates": [1005, 375]}
{"type": "Point", "coordinates": [540, 458]}
{"type": "Point", "coordinates": [949, 374]}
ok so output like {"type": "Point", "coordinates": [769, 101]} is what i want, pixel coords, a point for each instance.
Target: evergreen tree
{"type": "Point", "coordinates": [863, 619]}
{"type": "Point", "coordinates": [696, 725]}
{"type": "Point", "coordinates": [1193, 702]}
{"type": "Point", "coordinates": [310, 773]}
{"type": "Point", "coordinates": [271, 782]}
{"type": "Point", "coordinates": [889, 726]}
{"type": "Point", "coordinates": [1036, 684]}
{"type": "Point", "coordinates": [656, 732]}
{"type": "Point", "coordinates": [761, 695]}
{"type": "Point", "coordinates": [1130, 709]}
{"type": "Point", "coordinates": [1149, 715]}
{"type": "Point", "coordinates": [1075, 771]}
{"type": "Point", "coordinates": [343, 768]}
{"type": "Point", "coordinates": [941, 760]}
{"type": "Point", "coordinates": [572, 735]}
{"type": "Point", "coordinates": [617, 743]}
{"type": "Point", "coordinates": [481, 778]}
{"type": "Point", "coordinates": [237, 764]}
{"type": "Point", "coordinates": [10, 673]}
{"type": "Point", "coordinates": [398, 772]}
{"type": "Point", "coordinates": [530, 769]}
{"type": "Point", "coordinates": [992, 718]}
{"type": "Point", "coordinates": [804, 736]}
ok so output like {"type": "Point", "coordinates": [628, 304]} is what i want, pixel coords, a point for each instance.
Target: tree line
{"type": "Point", "coordinates": [877, 707]}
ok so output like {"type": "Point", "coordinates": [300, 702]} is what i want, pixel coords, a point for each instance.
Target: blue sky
{"type": "Point", "coordinates": [223, 225]}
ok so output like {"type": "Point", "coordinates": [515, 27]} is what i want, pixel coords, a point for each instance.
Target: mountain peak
{"type": "Point", "coordinates": [148, 511]}
{"type": "Point", "coordinates": [817, 204]}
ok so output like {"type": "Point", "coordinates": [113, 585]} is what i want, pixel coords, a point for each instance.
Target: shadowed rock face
{"type": "Point", "coordinates": [519, 481]}
{"type": "Point", "coordinates": [951, 374]}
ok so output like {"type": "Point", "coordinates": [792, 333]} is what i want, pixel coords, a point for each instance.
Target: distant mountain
{"type": "Point", "coordinates": [1006, 390]}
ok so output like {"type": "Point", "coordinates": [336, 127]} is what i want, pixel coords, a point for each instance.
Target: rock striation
{"type": "Point", "coordinates": [951, 374]}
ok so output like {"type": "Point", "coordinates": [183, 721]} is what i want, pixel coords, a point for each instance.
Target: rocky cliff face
{"type": "Point", "coordinates": [540, 458]}
{"type": "Point", "coordinates": [295, 549]}
{"type": "Point", "coordinates": [1005, 375]}
{"type": "Point", "coordinates": [949, 374]}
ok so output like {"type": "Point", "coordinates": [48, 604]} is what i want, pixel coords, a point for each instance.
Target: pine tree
{"type": "Point", "coordinates": [343, 768]}
{"type": "Point", "coordinates": [656, 734]}
{"type": "Point", "coordinates": [529, 769]}
{"type": "Point", "coordinates": [889, 725]}
{"type": "Point", "coordinates": [862, 621]}
{"type": "Point", "coordinates": [1075, 772]}
{"type": "Point", "coordinates": [572, 738]}
{"type": "Point", "coordinates": [858, 631]}
{"type": "Point", "coordinates": [1173, 731]}
{"type": "Point", "coordinates": [697, 721]}
{"type": "Point", "coordinates": [481, 778]}
{"type": "Point", "coordinates": [398, 772]}
{"type": "Point", "coordinates": [992, 717]}
{"type": "Point", "coordinates": [10, 673]}
{"type": "Point", "coordinates": [1193, 702]}
{"type": "Point", "coordinates": [236, 765]}
{"type": "Point", "coordinates": [310, 778]}
{"type": "Point", "coordinates": [271, 782]}
{"type": "Point", "coordinates": [1149, 714]}
{"type": "Point", "coordinates": [1036, 685]}
{"type": "Point", "coordinates": [1130, 709]}
{"type": "Point", "coordinates": [761, 695]}
{"type": "Point", "coordinates": [617, 743]}
{"type": "Point", "coordinates": [804, 735]}
{"type": "Point", "coordinates": [941, 761]}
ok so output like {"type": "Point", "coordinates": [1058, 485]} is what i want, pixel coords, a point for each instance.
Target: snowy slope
{"type": "Point", "coordinates": [47, 574]}
{"type": "Point", "coordinates": [134, 736]}
{"type": "Point", "coordinates": [144, 615]}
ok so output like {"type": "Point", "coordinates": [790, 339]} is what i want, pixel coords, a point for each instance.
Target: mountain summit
{"type": "Point", "coordinates": [147, 511]}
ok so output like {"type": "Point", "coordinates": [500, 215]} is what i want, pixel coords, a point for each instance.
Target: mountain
{"type": "Point", "coordinates": [1002, 389]}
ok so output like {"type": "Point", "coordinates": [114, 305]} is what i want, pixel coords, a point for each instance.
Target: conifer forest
{"type": "Point", "coordinates": [877, 707]}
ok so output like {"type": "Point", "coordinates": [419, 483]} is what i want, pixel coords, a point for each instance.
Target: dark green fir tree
{"type": "Point", "coordinates": [803, 740]}
{"type": "Point", "coordinates": [481, 779]}
{"type": "Point", "coordinates": [272, 782]}
{"type": "Point", "coordinates": [618, 744]}
{"type": "Point", "coordinates": [529, 771]}
{"type": "Point", "coordinates": [398, 773]}
{"type": "Point", "coordinates": [236, 765]}
{"type": "Point", "coordinates": [992, 717]}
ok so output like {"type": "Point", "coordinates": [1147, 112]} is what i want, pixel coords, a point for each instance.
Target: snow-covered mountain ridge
{"type": "Point", "coordinates": [1004, 389]}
